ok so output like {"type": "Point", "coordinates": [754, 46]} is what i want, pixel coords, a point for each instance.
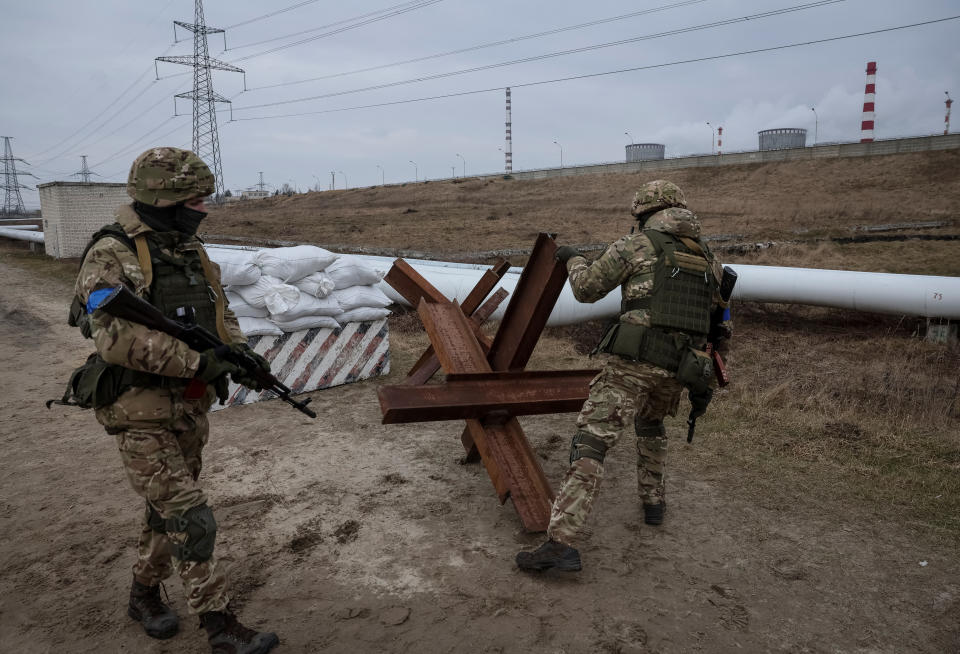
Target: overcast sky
{"type": "Point", "coordinates": [79, 80]}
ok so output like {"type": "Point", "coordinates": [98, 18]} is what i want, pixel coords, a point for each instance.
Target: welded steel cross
{"type": "Point", "coordinates": [486, 383]}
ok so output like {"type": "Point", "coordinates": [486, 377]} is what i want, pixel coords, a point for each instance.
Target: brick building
{"type": "Point", "coordinates": [73, 211]}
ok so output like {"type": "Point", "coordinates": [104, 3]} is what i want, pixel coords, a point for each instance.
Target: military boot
{"type": "Point", "coordinates": [227, 636]}
{"type": "Point", "coordinates": [146, 607]}
{"type": "Point", "coordinates": [551, 554]}
{"type": "Point", "coordinates": [653, 513]}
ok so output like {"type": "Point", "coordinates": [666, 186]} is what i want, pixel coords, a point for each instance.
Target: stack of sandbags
{"type": "Point", "coordinates": [296, 288]}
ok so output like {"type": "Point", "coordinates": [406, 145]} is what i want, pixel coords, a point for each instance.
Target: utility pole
{"type": "Point", "coordinates": [12, 200]}
{"type": "Point", "coordinates": [206, 143]}
{"type": "Point", "coordinates": [84, 172]}
{"type": "Point", "coordinates": [333, 179]}
{"type": "Point", "coordinates": [946, 120]}
{"type": "Point", "coordinates": [260, 185]}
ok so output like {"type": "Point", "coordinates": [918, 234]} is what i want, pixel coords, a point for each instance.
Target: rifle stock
{"type": "Point", "coordinates": [121, 303]}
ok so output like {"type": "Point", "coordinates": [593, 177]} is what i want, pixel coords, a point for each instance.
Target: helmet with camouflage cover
{"type": "Point", "coordinates": [656, 195]}
{"type": "Point", "coordinates": [163, 177]}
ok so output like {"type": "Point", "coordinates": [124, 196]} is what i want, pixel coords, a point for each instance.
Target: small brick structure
{"type": "Point", "coordinates": [73, 211]}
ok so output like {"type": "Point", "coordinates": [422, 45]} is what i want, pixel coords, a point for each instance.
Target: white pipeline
{"type": "Point", "coordinates": [21, 234]}
{"type": "Point", "coordinates": [916, 295]}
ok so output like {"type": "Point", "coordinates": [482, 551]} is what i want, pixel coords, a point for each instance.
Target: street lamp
{"type": "Point", "coordinates": [816, 125]}
{"type": "Point", "coordinates": [713, 138]}
{"type": "Point", "coordinates": [631, 138]}
{"type": "Point", "coordinates": [561, 152]}
{"type": "Point", "coordinates": [346, 184]}
{"type": "Point", "coordinates": [464, 164]}
{"type": "Point", "coordinates": [415, 169]}
{"type": "Point", "coordinates": [381, 173]}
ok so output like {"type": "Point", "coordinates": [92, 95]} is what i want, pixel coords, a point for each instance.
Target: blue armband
{"type": "Point", "coordinates": [97, 297]}
{"type": "Point", "coordinates": [726, 314]}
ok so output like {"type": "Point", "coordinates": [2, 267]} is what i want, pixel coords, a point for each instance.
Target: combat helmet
{"type": "Point", "coordinates": [163, 177]}
{"type": "Point", "coordinates": [656, 195]}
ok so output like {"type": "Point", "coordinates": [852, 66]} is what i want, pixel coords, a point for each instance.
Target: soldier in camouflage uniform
{"type": "Point", "coordinates": [641, 356]}
{"type": "Point", "coordinates": [152, 392]}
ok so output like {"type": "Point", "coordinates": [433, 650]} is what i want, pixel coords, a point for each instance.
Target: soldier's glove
{"type": "Point", "coordinates": [212, 367]}
{"type": "Point", "coordinates": [566, 252]}
{"type": "Point", "coordinates": [244, 350]}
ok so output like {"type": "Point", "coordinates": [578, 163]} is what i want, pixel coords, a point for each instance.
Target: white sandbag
{"type": "Point", "coordinates": [236, 266]}
{"type": "Point", "coordinates": [308, 305]}
{"type": "Point", "coordinates": [308, 322]}
{"type": "Point", "coordinates": [242, 309]}
{"type": "Point", "coordinates": [363, 314]}
{"type": "Point", "coordinates": [258, 327]}
{"type": "Point", "coordinates": [349, 270]}
{"type": "Point", "coordinates": [293, 263]}
{"type": "Point", "coordinates": [269, 292]}
{"type": "Point", "coordinates": [317, 284]}
{"type": "Point", "coordinates": [361, 296]}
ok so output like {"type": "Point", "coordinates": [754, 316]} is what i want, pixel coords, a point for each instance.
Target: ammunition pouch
{"type": "Point", "coordinates": [648, 428]}
{"type": "Point", "coordinates": [674, 352]}
{"type": "Point", "coordinates": [200, 527]}
{"type": "Point", "coordinates": [97, 384]}
{"type": "Point", "coordinates": [586, 445]}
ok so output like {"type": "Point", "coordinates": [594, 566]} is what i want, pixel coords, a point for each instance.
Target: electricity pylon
{"type": "Point", "coordinates": [206, 143]}
{"type": "Point", "coordinates": [84, 172]}
{"type": "Point", "coordinates": [12, 200]}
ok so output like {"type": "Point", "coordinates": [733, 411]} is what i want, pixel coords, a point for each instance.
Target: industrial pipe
{"type": "Point", "coordinates": [21, 234]}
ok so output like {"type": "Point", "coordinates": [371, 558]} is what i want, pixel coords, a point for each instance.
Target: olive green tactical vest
{"type": "Point", "coordinates": [683, 286]}
{"type": "Point", "coordinates": [178, 281]}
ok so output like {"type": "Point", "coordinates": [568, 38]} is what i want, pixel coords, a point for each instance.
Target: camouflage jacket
{"type": "Point", "coordinates": [628, 263]}
{"type": "Point", "coordinates": [110, 262]}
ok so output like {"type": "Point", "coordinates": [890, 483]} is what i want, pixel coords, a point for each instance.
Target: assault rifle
{"type": "Point", "coordinates": [727, 282]}
{"type": "Point", "coordinates": [700, 401]}
{"type": "Point", "coordinates": [121, 303]}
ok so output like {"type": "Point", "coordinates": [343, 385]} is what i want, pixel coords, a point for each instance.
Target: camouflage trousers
{"type": "Point", "coordinates": [160, 436]}
{"type": "Point", "coordinates": [623, 392]}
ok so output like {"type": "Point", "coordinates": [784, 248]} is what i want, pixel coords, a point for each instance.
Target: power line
{"type": "Point", "coordinates": [271, 14]}
{"type": "Point", "coordinates": [418, 5]}
{"type": "Point", "coordinates": [475, 69]}
{"type": "Point", "coordinates": [609, 72]}
{"type": "Point", "coordinates": [482, 46]}
{"type": "Point", "coordinates": [138, 140]}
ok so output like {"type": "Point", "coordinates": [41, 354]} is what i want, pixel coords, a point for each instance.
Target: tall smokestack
{"type": "Point", "coordinates": [508, 151]}
{"type": "Point", "coordinates": [946, 119]}
{"type": "Point", "coordinates": [869, 97]}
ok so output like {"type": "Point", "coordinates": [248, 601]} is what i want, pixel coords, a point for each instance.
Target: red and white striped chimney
{"type": "Point", "coordinates": [869, 97]}
{"type": "Point", "coordinates": [946, 119]}
{"type": "Point", "coordinates": [719, 140]}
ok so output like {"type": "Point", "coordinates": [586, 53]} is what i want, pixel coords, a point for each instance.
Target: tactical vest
{"type": "Point", "coordinates": [678, 305]}
{"type": "Point", "coordinates": [175, 281]}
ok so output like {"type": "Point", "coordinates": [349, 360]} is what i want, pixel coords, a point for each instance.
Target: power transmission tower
{"type": "Point", "coordinates": [261, 185]}
{"type": "Point", "coordinates": [85, 172]}
{"type": "Point", "coordinates": [206, 143]}
{"type": "Point", "coordinates": [12, 200]}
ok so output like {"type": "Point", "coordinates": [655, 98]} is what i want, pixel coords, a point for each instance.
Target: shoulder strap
{"type": "Point", "coordinates": [113, 230]}
{"type": "Point", "coordinates": [217, 290]}
{"type": "Point", "coordinates": [143, 257]}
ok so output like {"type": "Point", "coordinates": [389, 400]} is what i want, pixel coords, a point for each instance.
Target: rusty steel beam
{"type": "Point", "coordinates": [479, 395]}
{"type": "Point", "coordinates": [428, 364]}
{"type": "Point", "coordinates": [411, 285]}
{"type": "Point", "coordinates": [530, 305]}
{"type": "Point", "coordinates": [528, 487]}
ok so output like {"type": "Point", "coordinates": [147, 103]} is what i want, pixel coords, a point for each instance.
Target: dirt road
{"type": "Point", "coordinates": [348, 536]}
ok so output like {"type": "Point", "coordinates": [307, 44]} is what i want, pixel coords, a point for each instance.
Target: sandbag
{"type": "Point", "coordinates": [243, 310]}
{"type": "Point", "coordinates": [293, 263]}
{"type": "Point", "coordinates": [269, 292]}
{"type": "Point", "coordinates": [258, 327]}
{"type": "Point", "coordinates": [236, 266]}
{"type": "Point", "coordinates": [349, 270]}
{"type": "Point", "coordinates": [361, 296]}
{"type": "Point", "coordinates": [317, 284]}
{"type": "Point", "coordinates": [308, 322]}
{"type": "Point", "coordinates": [308, 305]}
{"type": "Point", "coordinates": [363, 314]}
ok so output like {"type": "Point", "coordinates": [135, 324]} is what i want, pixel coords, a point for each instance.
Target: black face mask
{"type": "Point", "coordinates": [178, 218]}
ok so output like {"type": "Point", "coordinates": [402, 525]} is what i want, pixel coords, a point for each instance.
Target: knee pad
{"type": "Point", "coordinates": [201, 529]}
{"type": "Point", "coordinates": [647, 428]}
{"type": "Point", "coordinates": [154, 520]}
{"type": "Point", "coordinates": [586, 445]}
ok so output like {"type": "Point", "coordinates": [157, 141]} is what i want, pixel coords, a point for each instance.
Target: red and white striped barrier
{"type": "Point", "coordinates": [313, 359]}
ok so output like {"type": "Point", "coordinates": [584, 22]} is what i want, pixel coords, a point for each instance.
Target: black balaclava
{"type": "Point", "coordinates": [178, 218]}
